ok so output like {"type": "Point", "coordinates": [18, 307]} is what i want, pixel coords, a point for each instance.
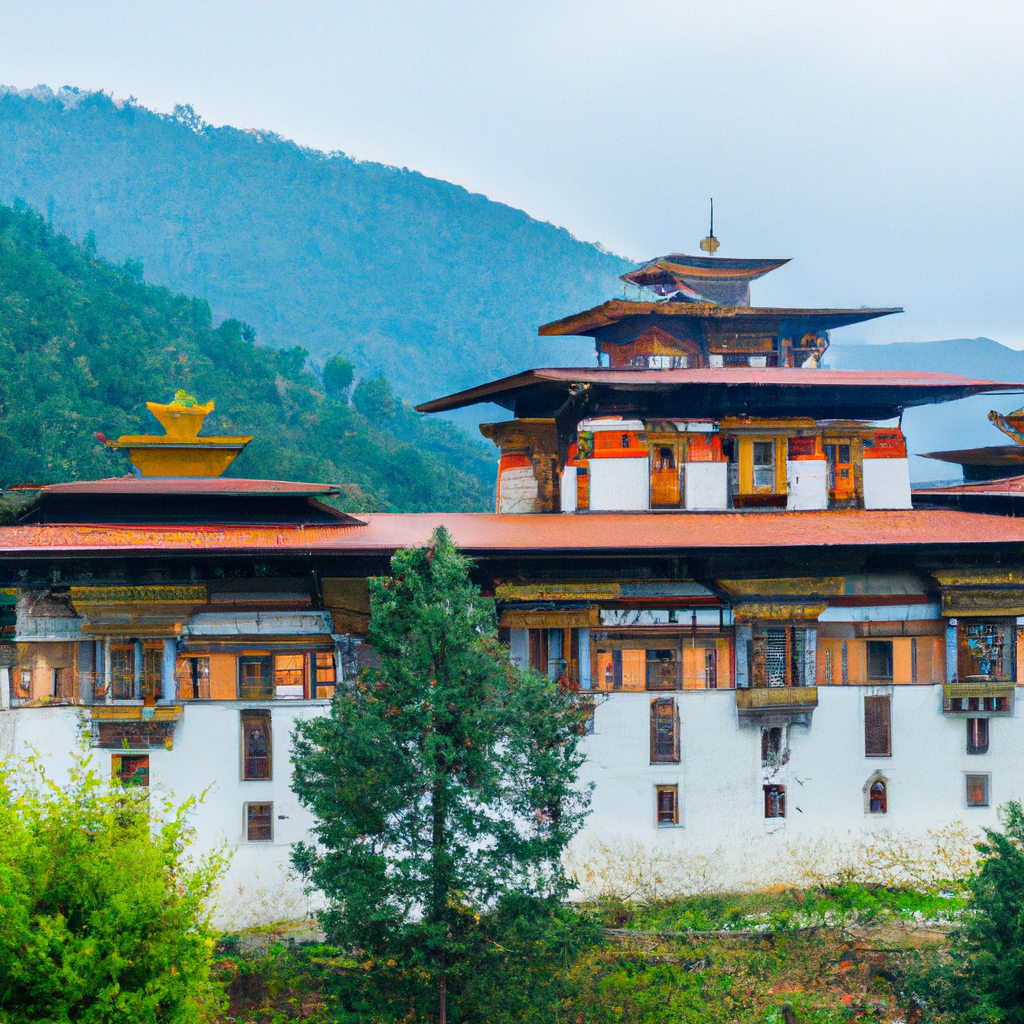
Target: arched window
{"type": "Point", "coordinates": [877, 798]}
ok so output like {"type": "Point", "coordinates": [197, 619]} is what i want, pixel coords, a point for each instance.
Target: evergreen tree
{"type": "Point", "coordinates": [337, 377]}
{"type": "Point", "coordinates": [981, 978]}
{"type": "Point", "coordinates": [443, 783]}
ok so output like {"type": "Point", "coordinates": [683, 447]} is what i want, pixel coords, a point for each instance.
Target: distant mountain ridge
{"type": "Point", "coordinates": [950, 427]}
{"type": "Point", "coordinates": [433, 286]}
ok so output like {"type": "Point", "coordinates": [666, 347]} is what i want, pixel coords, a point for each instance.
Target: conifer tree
{"type": "Point", "coordinates": [443, 782]}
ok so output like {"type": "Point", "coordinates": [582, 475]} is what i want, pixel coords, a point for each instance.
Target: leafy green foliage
{"type": "Point", "coordinates": [102, 917]}
{"type": "Point", "coordinates": [437, 288]}
{"type": "Point", "coordinates": [84, 345]}
{"type": "Point", "coordinates": [982, 978]}
{"type": "Point", "coordinates": [781, 910]}
{"type": "Point", "coordinates": [557, 965]}
{"type": "Point", "coordinates": [522, 961]}
{"type": "Point", "coordinates": [337, 377]}
{"type": "Point", "coordinates": [375, 399]}
{"type": "Point", "coordinates": [442, 784]}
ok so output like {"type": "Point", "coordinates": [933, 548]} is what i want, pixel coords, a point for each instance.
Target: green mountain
{"type": "Point", "coordinates": [415, 278]}
{"type": "Point", "coordinates": [84, 344]}
{"type": "Point", "coordinates": [962, 424]}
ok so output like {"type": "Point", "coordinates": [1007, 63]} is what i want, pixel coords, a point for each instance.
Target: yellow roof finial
{"type": "Point", "coordinates": [710, 244]}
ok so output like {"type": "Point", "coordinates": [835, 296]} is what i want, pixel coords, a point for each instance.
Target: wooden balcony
{"type": "Point", "coordinates": [776, 700]}
{"type": "Point", "coordinates": [978, 697]}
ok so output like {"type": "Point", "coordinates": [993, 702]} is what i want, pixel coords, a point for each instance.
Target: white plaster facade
{"type": "Point", "coordinates": [720, 779]}
{"type": "Point", "coordinates": [258, 887]}
{"type": "Point", "coordinates": [722, 832]}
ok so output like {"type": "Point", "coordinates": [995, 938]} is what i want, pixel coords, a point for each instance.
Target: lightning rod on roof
{"type": "Point", "coordinates": [710, 244]}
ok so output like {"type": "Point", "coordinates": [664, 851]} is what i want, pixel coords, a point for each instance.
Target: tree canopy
{"type": "Point", "coordinates": [443, 784]}
{"type": "Point", "coordinates": [435, 287]}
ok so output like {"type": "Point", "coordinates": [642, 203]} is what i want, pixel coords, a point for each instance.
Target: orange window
{"type": "Point", "coordinates": [192, 675]}
{"type": "Point", "coordinates": [325, 674]}
{"type": "Point", "coordinates": [289, 675]}
{"type": "Point", "coordinates": [664, 476]}
{"type": "Point", "coordinates": [842, 484]}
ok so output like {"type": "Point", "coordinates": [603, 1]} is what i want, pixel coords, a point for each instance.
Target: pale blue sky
{"type": "Point", "coordinates": [878, 144]}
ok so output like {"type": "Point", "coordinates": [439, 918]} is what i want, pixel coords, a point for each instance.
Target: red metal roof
{"type": "Point", "coordinates": [1006, 485]}
{"type": "Point", "coordinates": [991, 455]}
{"type": "Point", "coordinates": [867, 386]}
{"type": "Point", "coordinates": [747, 318]}
{"type": "Point", "coordinates": [222, 485]}
{"type": "Point", "coordinates": [488, 533]}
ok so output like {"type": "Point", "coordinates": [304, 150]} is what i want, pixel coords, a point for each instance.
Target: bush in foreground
{"type": "Point", "coordinates": [102, 916]}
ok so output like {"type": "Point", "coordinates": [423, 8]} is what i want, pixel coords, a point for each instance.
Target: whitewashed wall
{"type": "Point", "coordinates": [258, 887]}
{"type": "Point", "coordinates": [722, 839]}
{"type": "Point", "coordinates": [720, 777]}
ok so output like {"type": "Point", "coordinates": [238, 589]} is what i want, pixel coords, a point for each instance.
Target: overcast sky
{"type": "Point", "coordinates": [877, 144]}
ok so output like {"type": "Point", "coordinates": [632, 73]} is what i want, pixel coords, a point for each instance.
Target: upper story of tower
{"type": "Point", "coordinates": [695, 311]}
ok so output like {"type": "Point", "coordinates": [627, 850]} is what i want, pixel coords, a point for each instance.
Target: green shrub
{"type": "Point", "coordinates": [103, 919]}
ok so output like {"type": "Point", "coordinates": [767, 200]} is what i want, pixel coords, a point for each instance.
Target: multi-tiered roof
{"type": "Point", "coordinates": [701, 401]}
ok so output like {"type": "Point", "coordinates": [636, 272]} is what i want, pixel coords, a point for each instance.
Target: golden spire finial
{"type": "Point", "coordinates": [710, 244]}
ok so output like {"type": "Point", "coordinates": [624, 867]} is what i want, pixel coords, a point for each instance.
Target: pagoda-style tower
{"type": "Point", "coordinates": [702, 402]}
{"type": "Point", "coordinates": [698, 313]}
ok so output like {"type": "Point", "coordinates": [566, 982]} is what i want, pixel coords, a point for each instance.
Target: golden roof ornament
{"type": "Point", "coordinates": [180, 451]}
{"type": "Point", "coordinates": [710, 244]}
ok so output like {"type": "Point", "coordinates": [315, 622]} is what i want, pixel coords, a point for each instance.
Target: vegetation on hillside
{"type": "Point", "coordinates": [412, 277]}
{"type": "Point", "coordinates": [84, 345]}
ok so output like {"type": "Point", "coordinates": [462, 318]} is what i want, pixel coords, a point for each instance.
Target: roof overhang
{"type": "Point", "coordinates": [1003, 455]}
{"type": "Point", "coordinates": [745, 319]}
{"type": "Point", "coordinates": [719, 268]}
{"type": "Point", "coordinates": [605, 534]}
{"type": "Point", "coordinates": [180, 486]}
{"type": "Point", "coordinates": [714, 393]}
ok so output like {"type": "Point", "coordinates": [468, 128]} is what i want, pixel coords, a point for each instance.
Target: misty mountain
{"type": "Point", "coordinates": [956, 425]}
{"type": "Point", "coordinates": [409, 276]}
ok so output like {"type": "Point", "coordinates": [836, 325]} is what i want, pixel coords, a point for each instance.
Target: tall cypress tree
{"type": "Point", "coordinates": [443, 782]}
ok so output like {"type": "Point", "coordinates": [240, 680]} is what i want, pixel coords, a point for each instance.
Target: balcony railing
{"type": "Point", "coordinates": [978, 696]}
{"type": "Point", "coordinates": [761, 700]}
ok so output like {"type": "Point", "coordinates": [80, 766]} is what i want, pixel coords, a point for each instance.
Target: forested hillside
{"type": "Point", "coordinates": [409, 276]}
{"type": "Point", "coordinates": [84, 344]}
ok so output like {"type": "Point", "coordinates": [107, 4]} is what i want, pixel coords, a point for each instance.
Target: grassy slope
{"type": "Point", "coordinates": [84, 344]}
{"type": "Point", "coordinates": [829, 955]}
{"type": "Point", "coordinates": [435, 287]}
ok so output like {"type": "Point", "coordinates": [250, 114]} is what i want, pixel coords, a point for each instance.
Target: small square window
{"type": "Point", "coordinates": [977, 735]}
{"type": "Point", "coordinates": [774, 801]}
{"type": "Point", "coordinates": [977, 790]}
{"type": "Point", "coordinates": [257, 745]}
{"type": "Point", "coordinates": [255, 678]}
{"type": "Point", "coordinates": [130, 769]}
{"type": "Point", "coordinates": [259, 823]}
{"type": "Point", "coordinates": [668, 805]}
{"type": "Point", "coordinates": [880, 660]}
